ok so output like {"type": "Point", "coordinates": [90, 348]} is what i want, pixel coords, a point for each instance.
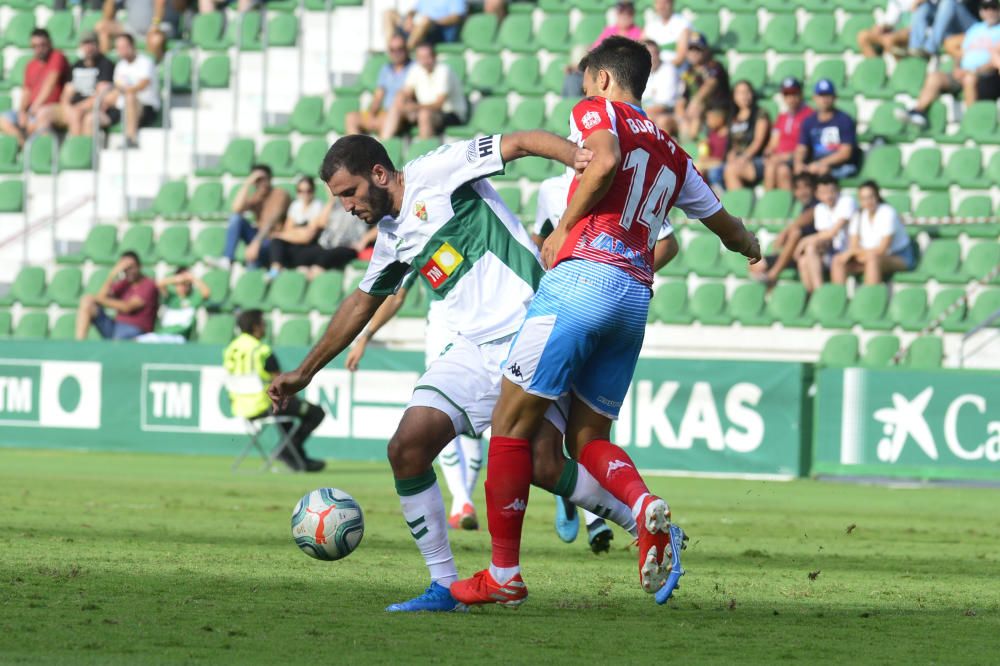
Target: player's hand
{"type": "Point", "coordinates": [582, 158]}
{"type": "Point", "coordinates": [748, 246]}
{"type": "Point", "coordinates": [551, 247]}
{"type": "Point", "coordinates": [284, 386]}
{"type": "Point", "coordinates": [353, 360]}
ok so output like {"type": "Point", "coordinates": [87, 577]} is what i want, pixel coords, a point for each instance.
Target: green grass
{"type": "Point", "coordinates": [143, 559]}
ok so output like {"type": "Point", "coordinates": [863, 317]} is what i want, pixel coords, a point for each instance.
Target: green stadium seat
{"type": "Point", "coordinates": [99, 247]}
{"type": "Point", "coordinates": [849, 32]}
{"type": "Point", "coordinates": [307, 118]}
{"type": "Point", "coordinates": [478, 32]}
{"type": "Point", "coordinates": [11, 196]}
{"type": "Point", "coordinates": [589, 29]}
{"type": "Point", "coordinates": [206, 201]}
{"type": "Point", "coordinates": [294, 333]}
{"type": "Point", "coordinates": [339, 108]}
{"type": "Point", "coordinates": [62, 29]}
{"type": "Point", "coordinates": [747, 305]}
{"type": "Point", "coordinates": [908, 308]}
{"type": "Point", "coordinates": [28, 288]}
{"type": "Point", "coordinates": [64, 328]}
{"type": "Point", "coordinates": [738, 202]}
{"type": "Point", "coordinates": [884, 124]}
{"type": "Point", "coordinates": [416, 304]}
{"type": "Point", "coordinates": [237, 160]}
{"type": "Point", "coordinates": [368, 78]}
{"type": "Point", "coordinates": [868, 306]}
{"type": "Point", "coordinates": [214, 71]}
{"type": "Point", "coordinates": [170, 203]}
{"type": "Point", "coordinates": [773, 206]}
{"type": "Point", "coordinates": [529, 114]}
{"type": "Point", "coordinates": [965, 169]}
{"type": "Point", "coordinates": [558, 119]}
{"type": "Point", "coordinates": [217, 281]}
{"type": "Point", "coordinates": [393, 147]}
{"type": "Point", "coordinates": [735, 264]}
{"type": "Point", "coordinates": [421, 147]}
{"type": "Point", "coordinates": [96, 280]}
{"type": "Point", "coordinates": [180, 72]}
{"type": "Point", "coordinates": [923, 169]}
{"type": "Point", "coordinates": [836, 71]}
{"type": "Point", "coordinates": [702, 255]}
{"type": "Point", "coordinates": [282, 30]}
{"type": "Point", "coordinates": [753, 70]}
{"type": "Point", "coordinates": [669, 304]}
{"type": "Point", "coordinates": [840, 351]}
{"type": "Point", "coordinates": [536, 169]}
{"type": "Point", "coordinates": [245, 31]}
{"type": "Point", "coordinates": [987, 302]}
{"type": "Point", "coordinates": [138, 240]}
{"type": "Point", "coordinates": [554, 74]}
{"type": "Point", "coordinates": [828, 306]}
{"type": "Point", "coordinates": [250, 291]}
{"type": "Point", "coordinates": [707, 24]}
{"type": "Point", "coordinates": [781, 34]}
{"type": "Point", "coordinates": [219, 329]}
{"type": "Point", "coordinates": [979, 124]}
{"type": "Point", "coordinates": [40, 155]}
{"type": "Point", "coordinates": [880, 351]}
{"type": "Point", "coordinates": [325, 292]}
{"type": "Point", "coordinates": [208, 31]}
{"type": "Point", "coordinates": [310, 156]}
{"type": "Point", "coordinates": [5, 324]}
{"type": "Point", "coordinates": [516, 34]}
{"type": "Point", "coordinates": [924, 353]}
{"type": "Point", "coordinates": [708, 305]}
{"type": "Point", "coordinates": [979, 205]}
{"type": "Point", "coordinates": [898, 200]}
{"type": "Point", "coordinates": [908, 76]}
{"type": "Point", "coordinates": [868, 79]}
{"type": "Point", "coordinates": [993, 168]}
{"type": "Point", "coordinates": [787, 305]}
{"type": "Point", "coordinates": [742, 35]}
{"type": "Point", "coordinates": [934, 205]}
{"type": "Point", "coordinates": [288, 292]}
{"type": "Point", "coordinates": [457, 63]}
{"type": "Point", "coordinates": [795, 67]}
{"type": "Point", "coordinates": [524, 77]}
{"type": "Point", "coordinates": [9, 155]}
{"type": "Point", "coordinates": [15, 76]}
{"type": "Point", "coordinates": [819, 34]}
{"type": "Point", "coordinates": [18, 31]}
{"type": "Point", "coordinates": [277, 154]}
{"type": "Point", "coordinates": [488, 114]}
{"type": "Point", "coordinates": [940, 260]}
{"type": "Point", "coordinates": [174, 246]}
{"type": "Point", "coordinates": [553, 33]}
{"type": "Point", "coordinates": [65, 287]}
{"type": "Point", "coordinates": [511, 197]}
{"type": "Point", "coordinates": [486, 75]}
{"type": "Point", "coordinates": [32, 326]}
{"type": "Point", "coordinates": [945, 299]}
{"type": "Point", "coordinates": [982, 259]}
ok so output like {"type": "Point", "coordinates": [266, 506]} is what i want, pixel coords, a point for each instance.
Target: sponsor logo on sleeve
{"type": "Point", "coordinates": [479, 149]}
{"type": "Point", "coordinates": [590, 119]}
{"type": "Point", "coordinates": [441, 265]}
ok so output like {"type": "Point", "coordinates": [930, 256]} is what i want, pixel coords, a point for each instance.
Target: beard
{"type": "Point", "coordinates": [378, 201]}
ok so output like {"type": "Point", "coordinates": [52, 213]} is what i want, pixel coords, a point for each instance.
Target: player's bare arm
{"type": "Point", "coordinates": [390, 306]}
{"type": "Point", "coordinates": [664, 251]}
{"type": "Point", "coordinates": [733, 234]}
{"type": "Point", "coordinates": [539, 143]}
{"type": "Point", "coordinates": [349, 320]}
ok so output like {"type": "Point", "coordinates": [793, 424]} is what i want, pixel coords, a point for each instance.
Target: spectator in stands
{"type": "Point", "coordinates": [830, 219]}
{"type": "Point", "coordinates": [136, 94]}
{"type": "Point", "coordinates": [828, 141]}
{"type": "Point", "coordinates": [769, 268]}
{"type": "Point", "coordinates": [706, 82]}
{"type": "Point", "coordinates": [934, 20]}
{"type": "Point", "coordinates": [662, 90]}
{"type": "Point", "coordinates": [712, 151]}
{"type": "Point", "coordinates": [669, 30]}
{"type": "Point", "coordinates": [44, 77]}
{"type": "Point", "coordinates": [891, 34]}
{"type": "Point", "coordinates": [432, 98]}
{"type": "Point", "coordinates": [290, 244]}
{"type": "Point", "coordinates": [128, 292]}
{"type": "Point", "coordinates": [182, 294]}
{"type": "Point", "coordinates": [391, 78]}
{"type": "Point", "coordinates": [749, 131]}
{"type": "Point", "coordinates": [624, 25]}
{"type": "Point", "coordinates": [976, 75]}
{"type": "Point", "coordinates": [431, 21]}
{"type": "Point", "coordinates": [250, 364]}
{"type": "Point", "coordinates": [785, 136]}
{"type": "Point", "coordinates": [269, 206]}
{"type": "Point", "coordinates": [877, 242]}
{"type": "Point", "coordinates": [153, 20]}
{"type": "Point", "coordinates": [573, 81]}
{"type": "Point", "coordinates": [91, 76]}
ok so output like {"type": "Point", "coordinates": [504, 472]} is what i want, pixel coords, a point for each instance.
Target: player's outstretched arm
{"type": "Point", "coordinates": [539, 143]}
{"type": "Point", "coordinates": [733, 234]}
{"type": "Point", "coordinates": [390, 306]}
{"type": "Point", "coordinates": [345, 324]}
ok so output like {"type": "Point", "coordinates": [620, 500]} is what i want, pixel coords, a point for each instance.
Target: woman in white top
{"type": "Point", "coordinates": [877, 242]}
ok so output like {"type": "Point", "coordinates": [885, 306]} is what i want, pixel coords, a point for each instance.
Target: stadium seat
{"type": "Point", "coordinates": [775, 207]}
{"type": "Point", "coordinates": [206, 202]}
{"type": "Point", "coordinates": [553, 33]}
{"type": "Point", "coordinates": [339, 108]}
{"type": "Point", "coordinates": [787, 304]}
{"type": "Point", "coordinates": [976, 206]}
{"type": "Point", "coordinates": [939, 260]}
{"type": "Point", "coordinates": [218, 286]}
{"type": "Point", "coordinates": [420, 147]}
{"type": "Point", "coordinates": [883, 125]}
{"type": "Point", "coordinates": [840, 351]}
{"type": "Point", "coordinates": [76, 153]}
{"type": "Point", "coordinates": [294, 333]}
{"type": "Point", "coordinates": [943, 301]}
{"type": "Point", "coordinates": [306, 118]}
{"type": "Point", "coordinates": [868, 79]}
{"type": "Point", "coordinates": [174, 246]}
{"type": "Point", "coordinates": [702, 255]}
{"type": "Point", "coordinates": [516, 34]}
{"type": "Point", "coordinates": [981, 260]}
{"type": "Point", "coordinates": [589, 29]}
{"type": "Point", "coordinates": [368, 78]}
{"type": "Point", "coordinates": [924, 353]}
{"type": "Point", "coordinates": [738, 202]}
{"type": "Point", "coordinates": [15, 76]}
{"type": "Point", "coordinates": [282, 30]}
{"type": "Point", "coordinates": [908, 308]}
{"type": "Point", "coordinates": [554, 75]}
{"type": "Point", "coordinates": [99, 247]}
{"type": "Point", "coordinates": [529, 114]}
{"type": "Point", "coordinates": [753, 70]}
{"type": "Point", "coordinates": [923, 169]}
{"type": "Point", "coordinates": [708, 305]}
{"type": "Point", "coordinates": [819, 35]}
{"type": "Point", "coordinates": [523, 77]}
{"type": "Point", "coordinates": [287, 293]}
{"type": "Point", "coordinates": [310, 156]}
{"type": "Point", "coordinates": [828, 305]}
{"type": "Point", "coordinates": [457, 63]}
{"type": "Point", "coordinates": [10, 161]}
{"type": "Point", "coordinates": [140, 241]}
{"type": "Point", "coordinates": [325, 292]}
{"type": "Point", "coordinates": [32, 326]}
{"type": "Point", "coordinates": [879, 351]}
{"type": "Point", "coordinates": [180, 72]}
{"type": "Point", "coordinates": [867, 307]}
{"type": "Point", "coordinates": [249, 292]}
{"type": "Point", "coordinates": [40, 159]}
{"type": "Point", "coordinates": [64, 328]}
{"type": "Point", "coordinates": [488, 114]}
{"type": "Point", "coordinates": [669, 304]}
{"type": "Point", "coordinates": [28, 288]}
{"type": "Point", "coordinates": [96, 280]}
{"type": "Point", "coordinates": [986, 303]}
{"type": "Point", "coordinates": [62, 30]}
{"type": "Point", "coordinates": [214, 71]}
{"type": "Point", "coordinates": [219, 329]}
{"type": "Point", "coordinates": [908, 77]}
{"type": "Point", "coordinates": [511, 197]}
{"type": "Point", "coordinates": [747, 305]}
{"type": "Point", "coordinates": [849, 32]}
{"type": "Point", "coordinates": [277, 154]}
{"type": "Point", "coordinates": [478, 32]}
{"type": "Point", "coordinates": [558, 120]}
{"type": "Point", "coordinates": [742, 35]}
{"type": "Point", "coordinates": [793, 66]}
{"type": "Point", "coordinates": [170, 204]}
{"type": "Point", "coordinates": [781, 35]}
{"type": "Point", "coordinates": [935, 205]}
{"type": "Point", "coordinates": [65, 287]}
{"type": "Point", "coordinates": [18, 30]}
{"type": "Point", "coordinates": [416, 304]}
{"type": "Point", "coordinates": [978, 124]}
{"type": "Point", "coordinates": [236, 160]}
{"type": "Point", "coordinates": [11, 196]}
{"type": "Point", "coordinates": [208, 31]}
{"type": "Point", "coordinates": [486, 75]}
{"type": "Point", "coordinates": [965, 169]}
{"type": "Point", "coordinates": [900, 201]}
{"type": "Point", "coordinates": [836, 71]}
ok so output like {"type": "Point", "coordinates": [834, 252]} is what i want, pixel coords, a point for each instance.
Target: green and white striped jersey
{"type": "Point", "coordinates": [454, 230]}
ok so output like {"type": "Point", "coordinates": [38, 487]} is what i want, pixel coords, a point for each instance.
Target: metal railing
{"type": "Point", "coordinates": [972, 332]}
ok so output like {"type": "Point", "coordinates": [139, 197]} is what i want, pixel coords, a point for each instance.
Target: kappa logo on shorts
{"type": "Point", "coordinates": [515, 370]}
{"type": "Point", "coordinates": [614, 466]}
{"type": "Point", "coordinates": [441, 265]}
{"type": "Point", "coordinates": [479, 149]}
{"type": "Point", "coordinates": [590, 119]}
{"type": "Point", "coordinates": [517, 505]}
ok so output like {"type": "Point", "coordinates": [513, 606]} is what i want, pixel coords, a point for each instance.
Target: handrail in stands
{"type": "Point", "coordinates": [981, 326]}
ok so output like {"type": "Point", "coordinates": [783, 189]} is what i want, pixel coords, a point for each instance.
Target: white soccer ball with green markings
{"type": "Point", "coordinates": [327, 524]}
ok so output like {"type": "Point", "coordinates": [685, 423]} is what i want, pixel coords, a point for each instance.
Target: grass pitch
{"type": "Point", "coordinates": [143, 559]}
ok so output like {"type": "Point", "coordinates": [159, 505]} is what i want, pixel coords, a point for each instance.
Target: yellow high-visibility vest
{"type": "Point", "coordinates": [244, 360]}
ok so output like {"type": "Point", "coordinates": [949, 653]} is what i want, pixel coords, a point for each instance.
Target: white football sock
{"type": "Point", "coordinates": [589, 518]}
{"type": "Point", "coordinates": [450, 460]}
{"type": "Point", "coordinates": [591, 496]}
{"type": "Point", "coordinates": [428, 525]}
{"type": "Point", "coordinates": [472, 461]}
{"type": "Point", "coordinates": [503, 574]}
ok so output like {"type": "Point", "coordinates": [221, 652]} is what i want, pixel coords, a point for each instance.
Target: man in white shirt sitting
{"type": "Point", "coordinates": [136, 91]}
{"type": "Point", "coordinates": [432, 98]}
{"type": "Point", "coordinates": [830, 218]}
{"type": "Point", "coordinates": [662, 90]}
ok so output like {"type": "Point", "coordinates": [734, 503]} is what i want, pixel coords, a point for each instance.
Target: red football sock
{"type": "Point", "coordinates": [508, 480]}
{"type": "Point", "coordinates": [614, 470]}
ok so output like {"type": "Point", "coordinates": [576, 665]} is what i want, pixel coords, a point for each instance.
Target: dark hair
{"type": "Point", "coordinates": [827, 179]}
{"type": "Point", "coordinates": [309, 181]}
{"type": "Point", "coordinates": [41, 32]}
{"type": "Point", "coordinates": [131, 255]}
{"type": "Point", "coordinates": [263, 167]}
{"type": "Point", "coordinates": [358, 153]}
{"type": "Point", "coordinates": [247, 320]}
{"type": "Point", "coordinates": [182, 269]}
{"type": "Point", "coordinates": [874, 186]}
{"type": "Point", "coordinates": [805, 176]}
{"type": "Point", "coordinates": [718, 107]}
{"type": "Point", "coordinates": [753, 94]}
{"type": "Point", "coordinates": [627, 60]}
{"type": "Point", "coordinates": [125, 35]}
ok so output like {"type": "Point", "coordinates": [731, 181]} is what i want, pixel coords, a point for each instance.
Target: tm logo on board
{"type": "Point", "coordinates": [52, 394]}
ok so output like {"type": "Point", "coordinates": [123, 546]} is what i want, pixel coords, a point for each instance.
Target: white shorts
{"type": "Point", "coordinates": [464, 383]}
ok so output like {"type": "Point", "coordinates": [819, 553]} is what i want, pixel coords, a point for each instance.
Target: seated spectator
{"type": "Point", "coordinates": [712, 151]}
{"type": "Point", "coordinates": [573, 81]}
{"type": "Point", "coordinates": [662, 90]}
{"type": "Point", "coordinates": [624, 25]}
{"type": "Point", "coordinates": [251, 365]}
{"type": "Point", "coordinates": [749, 130]}
{"type": "Point", "coordinates": [44, 77]}
{"type": "Point", "coordinates": [432, 98]}
{"type": "Point", "coordinates": [934, 20]}
{"type": "Point", "coordinates": [90, 77]}
{"type": "Point", "coordinates": [269, 206]}
{"type": "Point", "coordinates": [669, 30]}
{"type": "Point", "coordinates": [830, 219]}
{"type": "Point", "coordinates": [877, 242]}
{"type": "Point", "coordinates": [391, 78]}
{"type": "Point", "coordinates": [828, 142]}
{"type": "Point", "coordinates": [128, 292]}
{"type": "Point", "coordinates": [706, 82]}
{"type": "Point", "coordinates": [182, 294]}
{"type": "Point", "coordinates": [891, 34]}
{"type": "Point", "coordinates": [976, 75]}
{"type": "Point", "coordinates": [785, 136]}
{"type": "Point", "coordinates": [769, 267]}
{"type": "Point", "coordinates": [153, 20]}
{"type": "Point", "coordinates": [430, 21]}
{"type": "Point", "coordinates": [136, 95]}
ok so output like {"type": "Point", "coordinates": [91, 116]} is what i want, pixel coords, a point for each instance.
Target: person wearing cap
{"type": "Point", "coordinates": [44, 77]}
{"type": "Point", "coordinates": [891, 34]}
{"type": "Point", "coordinates": [624, 25]}
{"type": "Point", "coordinates": [706, 83]}
{"type": "Point", "coordinates": [90, 77]}
{"type": "Point", "coordinates": [976, 75]}
{"type": "Point", "coordinates": [828, 140]}
{"type": "Point", "coordinates": [785, 136]}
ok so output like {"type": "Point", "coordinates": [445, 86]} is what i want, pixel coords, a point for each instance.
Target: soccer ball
{"type": "Point", "coordinates": [327, 524]}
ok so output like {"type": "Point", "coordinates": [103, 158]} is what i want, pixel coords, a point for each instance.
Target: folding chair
{"type": "Point", "coordinates": [256, 427]}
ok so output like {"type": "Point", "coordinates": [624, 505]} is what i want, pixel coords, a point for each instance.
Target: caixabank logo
{"type": "Point", "coordinates": [51, 394]}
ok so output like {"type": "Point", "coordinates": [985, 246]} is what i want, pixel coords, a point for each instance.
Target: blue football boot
{"type": "Point", "coordinates": [435, 599]}
{"type": "Point", "coordinates": [567, 520]}
{"type": "Point", "coordinates": [677, 544]}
